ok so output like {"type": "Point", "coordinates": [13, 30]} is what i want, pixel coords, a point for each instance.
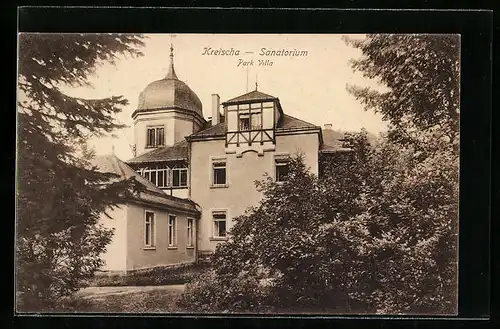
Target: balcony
{"type": "Point", "coordinates": [257, 140]}
{"type": "Point", "coordinates": [250, 137]}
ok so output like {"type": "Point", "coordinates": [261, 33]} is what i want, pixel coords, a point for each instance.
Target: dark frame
{"type": "Point", "coordinates": [475, 28]}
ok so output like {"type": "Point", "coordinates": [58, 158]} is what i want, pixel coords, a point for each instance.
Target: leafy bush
{"type": "Point", "coordinates": [361, 242]}
{"type": "Point", "coordinates": [212, 293]}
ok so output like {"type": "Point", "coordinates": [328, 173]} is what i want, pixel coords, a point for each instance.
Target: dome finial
{"type": "Point", "coordinates": [171, 72]}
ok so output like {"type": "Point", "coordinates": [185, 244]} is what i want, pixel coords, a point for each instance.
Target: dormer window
{"type": "Point", "coordinates": [251, 121]}
{"type": "Point", "coordinates": [155, 136]}
{"type": "Point", "coordinates": [250, 117]}
{"type": "Point", "coordinates": [244, 121]}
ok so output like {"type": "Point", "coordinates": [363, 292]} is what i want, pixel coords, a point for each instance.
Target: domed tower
{"type": "Point", "coordinates": [168, 111]}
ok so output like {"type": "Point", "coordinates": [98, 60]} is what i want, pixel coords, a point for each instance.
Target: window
{"type": "Point", "coordinates": [172, 231]}
{"type": "Point", "coordinates": [219, 173]}
{"type": "Point", "coordinates": [281, 169]}
{"type": "Point", "coordinates": [155, 137]}
{"type": "Point", "coordinates": [157, 175]}
{"type": "Point", "coordinates": [219, 219]}
{"type": "Point", "coordinates": [190, 232]}
{"type": "Point", "coordinates": [244, 121]}
{"type": "Point", "coordinates": [163, 176]}
{"type": "Point", "coordinates": [256, 119]}
{"type": "Point", "coordinates": [179, 176]}
{"type": "Point", "coordinates": [149, 234]}
{"type": "Point", "coordinates": [250, 119]}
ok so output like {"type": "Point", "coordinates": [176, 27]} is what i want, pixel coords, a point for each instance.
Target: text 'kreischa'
{"type": "Point", "coordinates": [262, 52]}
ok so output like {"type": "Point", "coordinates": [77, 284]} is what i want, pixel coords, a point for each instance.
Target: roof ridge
{"type": "Point", "coordinates": [249, 93]}
{"type": "Point", "coordinates": [117, 161]}
{"type": "Point", "coordinates": [176, 144]}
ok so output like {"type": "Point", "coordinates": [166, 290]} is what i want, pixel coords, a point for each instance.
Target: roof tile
{"type": "Point", "coordinates": [178, 151]}
{"type": "Point", "coordinates": [152, 194]}
{"type": "Point", "coordinates": [253, 95]}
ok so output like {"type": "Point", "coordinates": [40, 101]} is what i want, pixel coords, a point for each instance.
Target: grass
{"type": "Point", "coordinates": [139, 302]}
{"type": "Point", "coordinates": [152, 277]}
{"type": "Point", "coordinates": [151, 301]}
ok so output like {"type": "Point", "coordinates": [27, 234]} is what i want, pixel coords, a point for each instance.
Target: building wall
{"type": "Point", "coordinates": [177, 125]}
{"type": "Point", "coordinates": [241, 173]}
{"type": "Point", "coordinates": [306, 143]}
{"type": "Point", "coordinates": [115, 257]}
{"type": "Point", "coordinates": [182, 193]}
{"type": "Point", "coordinates": [139, 256]}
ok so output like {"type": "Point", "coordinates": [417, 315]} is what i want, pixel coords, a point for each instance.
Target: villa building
{"type": "Point", "coordinates": [211, 163]}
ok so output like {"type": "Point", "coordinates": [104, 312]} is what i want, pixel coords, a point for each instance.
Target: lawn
{"type": "Point", "coordinates": [144, 299]}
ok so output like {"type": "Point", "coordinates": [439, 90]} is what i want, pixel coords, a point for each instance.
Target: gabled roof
{"type": "Point", "coordinates": [212, 131]}
{"type": "Point", "coordinates": [152, 194]}
{"type": "Point", "coordinates": [111, 164]}
{"type": "Point", "coordinates": [332, 141]}
{"type": "Point", "coordinates": [288, 122]}
{"type": "Point", "coordinates": [251, 96]}
{"type": "Point", "coordinates": [176, 152]}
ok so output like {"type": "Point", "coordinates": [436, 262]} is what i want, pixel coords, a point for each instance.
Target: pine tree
{"type": "Point", "coordinates": [60, 196]}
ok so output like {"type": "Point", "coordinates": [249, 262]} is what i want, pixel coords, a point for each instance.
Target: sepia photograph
{"type": "Point", "coordinates": [237, 174]}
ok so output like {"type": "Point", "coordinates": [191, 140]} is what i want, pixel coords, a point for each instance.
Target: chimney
{"type": "Point", "coordinates": [328, 126]}
{"type": "Point", "coordinates": [215, 109]}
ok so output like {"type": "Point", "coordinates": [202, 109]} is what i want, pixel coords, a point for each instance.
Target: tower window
{"type": "Point", "coordinates": [155, 136]}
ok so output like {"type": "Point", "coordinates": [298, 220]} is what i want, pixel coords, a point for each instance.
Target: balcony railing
{"type": "Point", "coordinates": [250, 136]}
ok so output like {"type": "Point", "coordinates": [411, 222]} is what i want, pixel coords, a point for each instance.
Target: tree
{"type": "Point", "coordinates": [422, 76]}
{"type": "Point", "coordinates": [377, 232]}
{"type": "Point", "coordinates": [60, 196]}
{"type": "Point", "coordinates": [287, 254]}
{"type": "Point", "coordinates": [416, 202]}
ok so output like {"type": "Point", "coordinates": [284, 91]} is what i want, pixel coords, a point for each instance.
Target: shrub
{"type": "Point", "coordinates": [359, 242]}
{"type": "Point", "coordinates": [211, 293]}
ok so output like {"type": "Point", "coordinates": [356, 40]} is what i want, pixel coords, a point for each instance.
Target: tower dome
{"type": "Point", "coordinates": [169, 92]}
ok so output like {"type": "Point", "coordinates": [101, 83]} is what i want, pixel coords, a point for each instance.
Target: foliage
{"type": "Point", "coordinates": [276, 259]}
{"type": "Point", "coordinates": [377, 231]}
{"type": "Point", "coordinates": [417, 201]}
{"type": "Point", "coordinates": [60, 196]}
{"type": "Point", "coordinates": [422, 74]}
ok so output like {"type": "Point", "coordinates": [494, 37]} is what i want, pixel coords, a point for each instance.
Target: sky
{"type": "Point", "coordinates": [311, 87]}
